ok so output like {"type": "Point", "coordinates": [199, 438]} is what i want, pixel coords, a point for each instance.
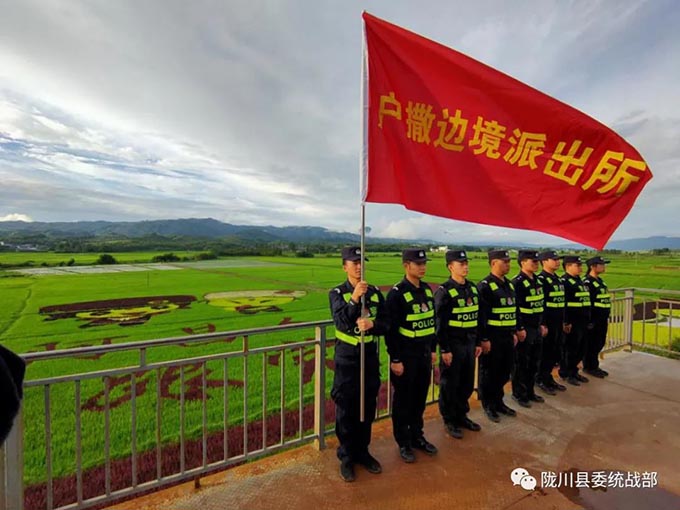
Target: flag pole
{"type": "Point", "coordinates": [363, 166]}
{"type": "Point", "coordinates": [362, 363]}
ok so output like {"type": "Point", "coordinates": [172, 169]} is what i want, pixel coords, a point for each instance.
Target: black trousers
{"type": "Point", "coordinates": [410, 394]}
{"type": "Point", "coordinates": [574, 349]}
{"type": "Point", "coordinates": [527, 360]}
{"type": "Point", "coordinates": [551, 352]}
{"type": "Point", "coordinates": [354, 436]}
{"type": "Point", "coordinates": [495, 368]}
{"type": "Point", "coordinates": [595, 340]}
{"type": "Point", "coordinates": [456, 382]}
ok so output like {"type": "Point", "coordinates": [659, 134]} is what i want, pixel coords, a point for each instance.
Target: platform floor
{"type": "Point", "coordinates": [629, 422]}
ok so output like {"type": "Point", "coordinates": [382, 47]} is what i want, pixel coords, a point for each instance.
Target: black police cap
{"type": "Point", "coordinates": [597, 260]}
{"type": "Point", "coordinates": [352, 253]}
{"type": "Point", "coordinates": [414, 255]}
{"type": "Point", "coordinates": [456, 256]}
{"type": "Point", "coordinates": [527, 254]}
{"type": "Point", "coordinates": [550, 254]}
{"type": "Point", "coordinates": [572, 259]}
{"type": "Point", "coordinates": [499, 254]}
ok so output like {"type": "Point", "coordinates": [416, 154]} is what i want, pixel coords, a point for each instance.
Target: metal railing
{"type": "Point", "coordinates": [619, 332]}
{"type": "Point", "coordinates": [245, 432]}
{"type": "Point", "coordinates": [180, 419]}
{"type": "Point", "coordinates": [644, 319]}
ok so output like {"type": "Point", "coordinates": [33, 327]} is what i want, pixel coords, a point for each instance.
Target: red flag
{"type": "Point", "coordinates": [452, 137]}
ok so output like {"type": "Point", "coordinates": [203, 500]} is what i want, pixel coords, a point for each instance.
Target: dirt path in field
{"type": "Point", "coordinates": [12, 319]}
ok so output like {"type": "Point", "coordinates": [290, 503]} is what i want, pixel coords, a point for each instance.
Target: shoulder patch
{"type": "Point", "coordinates": [337, 290]}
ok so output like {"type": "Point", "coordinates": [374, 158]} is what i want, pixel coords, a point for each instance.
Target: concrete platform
{"type": "Point", "coordinates": [629, 422]}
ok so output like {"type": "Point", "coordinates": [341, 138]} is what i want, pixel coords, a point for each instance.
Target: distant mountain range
{"type": "Point", "coordinates": [209, 228]}
{"type": "Point", "coordinates": [206, 228]}
{"type": "Point", "coordinates": [638, 244]}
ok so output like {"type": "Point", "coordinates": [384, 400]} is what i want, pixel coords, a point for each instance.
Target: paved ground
{"type": "Point", "coordinates": [628, 423]}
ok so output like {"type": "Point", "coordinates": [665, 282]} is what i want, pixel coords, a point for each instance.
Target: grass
{"type": "Point", "coordinates": [24, 329]}
{"type": "Point", "coordinates": [82, 259]}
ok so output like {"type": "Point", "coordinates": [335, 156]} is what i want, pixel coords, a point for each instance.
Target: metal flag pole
{"type": "Point", "coordinates": [363, 166]}
{"type": "Point", "coordinates": [362, 363]}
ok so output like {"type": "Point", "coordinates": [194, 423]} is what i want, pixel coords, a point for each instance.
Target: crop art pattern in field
{"type": "Point", "coordinates": [253, 301]}
{"type": "Point", "coordinates": [124, 312]}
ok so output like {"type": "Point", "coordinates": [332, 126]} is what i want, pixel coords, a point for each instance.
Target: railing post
{"type": "Point", "coordinates": [320, 388]}
{"type": "Point", "coordinates": [628, 317]}
{"type": "Point", "coordinates": [12, 469]}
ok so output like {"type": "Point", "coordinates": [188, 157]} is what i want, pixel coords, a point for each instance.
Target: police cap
{"type": "Point", "coordinates": [414, 255]}
{"type": "Point", "coordinates": [499, 255]}
{"type": "Point", "coordinates": [550, 254]}
{"type": "Point", "coordinates": [456, 256]}
{"type": "Point", "coordinates": [527, 254]}
{"type": "Point", "coordinates": [572, 259]}
{"type": "Point", "coordinates": [352, 253]}
{"type": "Point", "coordinates": [597, 260]}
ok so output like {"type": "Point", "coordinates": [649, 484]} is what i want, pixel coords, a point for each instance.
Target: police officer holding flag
{"type": "Point", "coordinates": [350, 320]}
{"type": "Point", "coordinates": [499, 334]}
{"type": "Point", "coordinates": [411, 345]}
{"type": "Point", "coordinates": [456, 305]}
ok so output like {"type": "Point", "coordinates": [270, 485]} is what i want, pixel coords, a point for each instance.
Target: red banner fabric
{"type": "Point", "coordinates": [452, 137]}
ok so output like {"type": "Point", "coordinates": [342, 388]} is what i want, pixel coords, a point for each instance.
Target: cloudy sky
{"type": "Point", "coordinates": [247, 111]}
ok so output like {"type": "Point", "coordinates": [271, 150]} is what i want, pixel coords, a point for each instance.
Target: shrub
{"type": "Point", "coordinates": [106, 259]}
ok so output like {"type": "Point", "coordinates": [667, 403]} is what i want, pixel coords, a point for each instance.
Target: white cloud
{"type": "Point", "coordinates": [16, 217]}
{"type": "Point", "coordinates": [249, 111]}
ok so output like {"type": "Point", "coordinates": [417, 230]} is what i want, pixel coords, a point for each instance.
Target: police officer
{"type": "Point", "coordinates": [411, 345]}
{"type": "Point", "coordinates": [600, 301]}
{"type": "Point", "coordinates": [553, 293]}
{"type": "Point", "coordinates": [498, 331]}
{"type": "Point", "coordinates": [576, 320]}
{"type": "Point", "coordinates": [12, 371]}
{"type": "Point", "coordinates": [456, 305]}
{"type": "Point", "coordinates": [529, 292]}
{"type": "Point", "coordinates": [346, 307]}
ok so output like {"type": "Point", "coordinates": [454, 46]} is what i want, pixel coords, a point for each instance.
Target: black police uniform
{"type": "Point", "coordinates": [12, 371]}
{"type": "Point", "coordinates": [530, 305]}
{"type": "Point", "coordinates": [457, 310]}
{"type": "Point", "coordinates": [577, 314]}
{"type": "Point", "coordinates": [498, 324]}
{"type": "Point", "coordinates": [600, 301]}
{"type": "Point", "coordinates": [354, 436]}
{"type": "Point", "coordinates": [411, 341]}
{"type": "Point", "coordinates": [553, 292]}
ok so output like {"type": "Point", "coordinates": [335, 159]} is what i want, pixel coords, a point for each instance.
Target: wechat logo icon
{"type": "Point", "coordinates": [521, 476]}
